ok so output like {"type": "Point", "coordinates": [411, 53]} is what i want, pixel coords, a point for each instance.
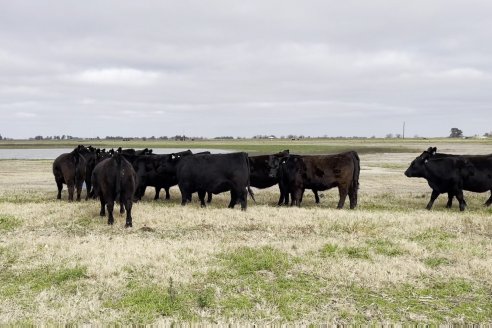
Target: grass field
{"type": "Point", "coordinates": [388, 261]}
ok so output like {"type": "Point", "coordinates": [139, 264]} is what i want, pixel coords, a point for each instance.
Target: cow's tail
{"type": "Point", "coordinates": [94, 192]}
{"type": "Point", "coordinates": [354, 187]}
{"type": "Point", "coordinates": [250, 192]}
{"type": "Point", "coordinates": [118, 158]}
{"type": "Point", "coordinates": [76, 160]}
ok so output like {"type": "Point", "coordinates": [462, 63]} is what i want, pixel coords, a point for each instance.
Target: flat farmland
{"type": "Point", "coordinates": [387, 261]}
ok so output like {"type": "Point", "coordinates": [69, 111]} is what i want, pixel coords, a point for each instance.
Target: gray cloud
{"type": "Point", "coordinates": [244, 68]}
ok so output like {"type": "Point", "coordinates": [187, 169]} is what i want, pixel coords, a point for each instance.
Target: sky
{"type": "Point", "coordinates": [242, 68]}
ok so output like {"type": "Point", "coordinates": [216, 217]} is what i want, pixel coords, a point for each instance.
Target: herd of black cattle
{"type": "Point", "coordinates": [123, 175]}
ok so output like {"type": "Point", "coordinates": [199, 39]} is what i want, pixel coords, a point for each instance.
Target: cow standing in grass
{"type": "Point", "coordinates": [214, 173]}
{"type": "Point", "coordinates": [114, 179]}
{"type": "Point", "coordinates": [480, 181]}
{"type": "Point", "coordinates": [70, 169]}
{"type": "Point", "coordinates": [445, 174]}
{"type": "Point", "coordinates": [320, 172]}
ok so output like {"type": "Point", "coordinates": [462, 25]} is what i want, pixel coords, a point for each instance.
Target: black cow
{"type": "Point", "coordinates": [320, 172]}
{"type": "Point", "coordinates": [214, 173]}
{"type": "Point", "coordinates": [158, 171]}
{"type": "Point", "coordinates": [262, 177]}
{"type": "Point", "coordinates": [69, 169]}
{"type": "Point", "coordinates": [444, 174]}
{"type": "Point", "coordinates": [114, 179]}
{"type": "Point", "coordinates": [480, 181]}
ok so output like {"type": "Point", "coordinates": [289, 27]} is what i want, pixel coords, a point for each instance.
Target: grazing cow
{"type": "Point", "coordinates": [69, 169]}
{"type": "Point", "coordinates": [214, 173]}
{"type": "Point", "coordinates": [297, 173]}
{"type": "Point", "coordinates": [443, 174]}
{"type": "Point", "coordinates": [480, 181]}
{"type": "Point", "coordinates": [114, 179]}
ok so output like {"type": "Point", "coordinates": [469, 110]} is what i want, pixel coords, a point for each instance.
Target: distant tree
{"type": "Point", "coordinates": [1, 137]}
{"type": "Point", "coordinates": [398, 136]}
{"type": "Point", "coordinates": [389, 136]}
{"type": "Point", "coordinates": [456, 133]}
{"type": "Point", "coordinates": [38, 138]}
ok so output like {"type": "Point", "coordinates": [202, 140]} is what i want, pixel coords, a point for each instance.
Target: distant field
{"type": "Point", "coordinates": [303, 146]}
{"type": "Point", "coordinates": [388, 261]}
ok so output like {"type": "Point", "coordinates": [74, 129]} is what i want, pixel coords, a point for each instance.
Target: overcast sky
{"type": "Point", "coordinates": [241, 68]}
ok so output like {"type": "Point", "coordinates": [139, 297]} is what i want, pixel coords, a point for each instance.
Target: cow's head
{"type": "Point", "coordinates": [417, 168]}
{"type": "Point", "coordinates": [274, 164]}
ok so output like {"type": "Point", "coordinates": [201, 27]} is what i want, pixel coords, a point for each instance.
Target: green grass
{"type": "Point", "coordinates": [9, 222]}
{"type": "Point", "coordinates": [385, 247]}
{"type": "Point", "coordinates": [435, 238]}
{"type": "Point", "coordinates": [437, 301]}
{"type": "Point", "coordinates": [25, 285]}
{"type": "Point", "coordinates": [249, 260]}
{"type": "Point", "coordinates": [434, 262]}
{"type": "Point", "coordinates": [143, 304]}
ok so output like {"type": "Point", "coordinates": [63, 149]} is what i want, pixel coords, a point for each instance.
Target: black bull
{"type": "Point", "coordinates": [214, 173]}
{"type": "Point", "coordinates": [297, 173]}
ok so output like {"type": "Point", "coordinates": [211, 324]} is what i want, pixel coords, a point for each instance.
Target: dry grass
{"type": "Point", "coordinates": [387, 261]}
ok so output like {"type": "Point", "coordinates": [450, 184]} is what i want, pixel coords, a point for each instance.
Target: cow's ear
{"type": "Point", "coordinates": [173, 156]}
{"type": "Point", "coordinates": [434, 150]}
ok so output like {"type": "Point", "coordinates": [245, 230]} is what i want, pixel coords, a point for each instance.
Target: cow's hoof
{"type": "Point", "coordinates": [128, 225]}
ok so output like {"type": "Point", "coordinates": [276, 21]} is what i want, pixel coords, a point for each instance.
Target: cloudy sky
{"type": "Point", "coordinates": [212, 68]}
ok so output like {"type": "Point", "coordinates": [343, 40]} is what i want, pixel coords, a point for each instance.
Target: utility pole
{"type": "Point", "coordinates": [403, 129]}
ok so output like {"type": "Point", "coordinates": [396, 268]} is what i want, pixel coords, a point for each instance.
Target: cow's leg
{"type": "Point", "coordinates": [184, 195]}
{"type": "Point", "coordinates": [59, 185]}
{"type": "Point", "coordinates": [209, 197]}
{"type": "Point", "coordinates": [461, 199]}
{"type": "Point", "coordinates": [122, 207]}
{"type": "Point", "coordinates": [243, 199]}
{"type": "Point", "coordinates": [316, 196]}
{"type": "Point", "coordinates": [286, 198]}
{"type": "Point", "coordinates": [281, 198]}
{"type": "Point", "coordinates": [234, 197]}
{"type": "Point", "coordinates": [79, 189]}
{"type": "Point", "coordinates": [297, 197]}
{"type": "Point", "coordinates": [489, 201]}
{"type": "Point", "coordinates": [434, 196]}
{"type": "Point", "coordinates": [71, 189]}
{"type": "Point", "coordinates": [342, 192]}
{"type": "Point", "coordinates": [110, 212]}
{"type": "Point", "coordinates": [157, 192]}
{"type": "Point", "coordinates": [450, 200]}
{"type": "Point", "coordinates": [88, 185]}
{"type": "Point", "coordinates": [103, 206]}
{"type": "Point", "coordinates": [168, 196]}
{"type": "Point", "coordinates": [128, 206]}
{"type": "Point", "coordinates": [352, 198]}
{"type": "Point", "coordinates": [201, 196]}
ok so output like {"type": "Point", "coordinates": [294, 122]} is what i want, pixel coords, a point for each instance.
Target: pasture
{"type": "Point", "coordinates": [388, 261]}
